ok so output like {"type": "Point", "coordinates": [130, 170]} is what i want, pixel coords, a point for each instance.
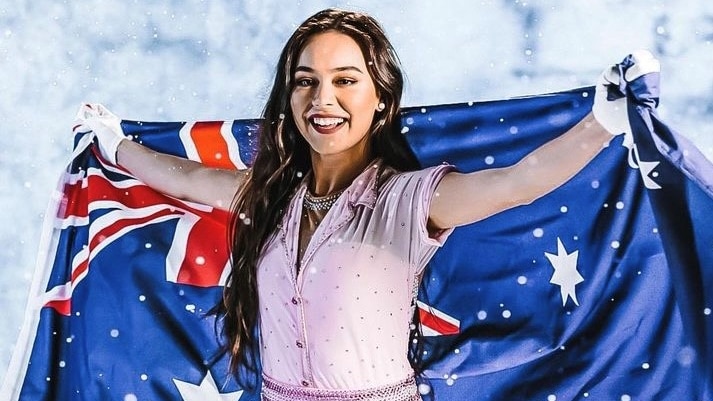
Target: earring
{"type": "Point", "coordinates": [381, 106]}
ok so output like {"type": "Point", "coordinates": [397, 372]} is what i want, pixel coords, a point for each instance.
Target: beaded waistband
{"type": "Point", "coordinates": [405, 390]}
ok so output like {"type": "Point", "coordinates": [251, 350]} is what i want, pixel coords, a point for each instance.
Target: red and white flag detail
{"type": "Point", "coordinates": [435, 322]}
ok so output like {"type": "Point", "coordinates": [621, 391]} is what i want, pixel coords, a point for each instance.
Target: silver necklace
{"type": "Point", "coordinates": [324, 203]}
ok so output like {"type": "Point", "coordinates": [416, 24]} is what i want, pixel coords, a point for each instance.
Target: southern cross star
{"type": "Point", "coordinates": [206, 391]}
{"type": "Point", "coordinates": [565, 274]}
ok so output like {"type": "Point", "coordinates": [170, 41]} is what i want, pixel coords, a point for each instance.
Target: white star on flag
{"type": "Point", "coordinates": [565, 274]}
{"type": "Point", "coordinates": [645, 168]}
{"type": "Point", "coordinates": [206, 391]}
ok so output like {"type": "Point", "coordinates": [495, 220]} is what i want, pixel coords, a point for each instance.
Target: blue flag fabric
{"type": "Point", "coordinates": [597, 291]}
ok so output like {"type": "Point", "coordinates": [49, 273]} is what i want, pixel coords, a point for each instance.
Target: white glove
{"type": "Point", "coordinates": [105, 125]}
{"type": "Point", "coordinates": [612, 114]}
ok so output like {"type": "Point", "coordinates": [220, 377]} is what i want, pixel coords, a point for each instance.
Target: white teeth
{"type": "Point", "coordinates": [325, 122]}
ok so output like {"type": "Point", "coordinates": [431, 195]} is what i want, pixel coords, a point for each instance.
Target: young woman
{"type": "Point", "coordinates": [335, 222]}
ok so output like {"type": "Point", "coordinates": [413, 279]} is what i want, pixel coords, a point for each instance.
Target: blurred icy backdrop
{"type": "Point", "coordinates": [190, 60]}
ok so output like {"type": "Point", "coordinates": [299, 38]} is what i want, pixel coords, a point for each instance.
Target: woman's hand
{"type": "Point", "coordinates": [105, 125]}
{"type": "Point", "coordinates": [611, 111]}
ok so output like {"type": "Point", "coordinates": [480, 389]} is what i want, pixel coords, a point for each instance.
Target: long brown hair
{"type": "Point", "coordinates": [283, 158]}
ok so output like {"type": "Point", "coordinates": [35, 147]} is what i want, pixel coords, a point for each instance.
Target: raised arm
{"type": "Point", "coordinates": [543, 170]}
{"type": "Point", "coordinates": [540, 172]}
{"type": "Point", "coordinates": [174, 176]}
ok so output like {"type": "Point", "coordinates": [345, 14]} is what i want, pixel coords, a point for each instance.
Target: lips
{"type": "Point", "coordinates": [326, 124]}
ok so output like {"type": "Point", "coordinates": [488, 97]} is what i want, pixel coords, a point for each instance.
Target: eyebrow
{"type": "Point", "coordinates": [338, 69]}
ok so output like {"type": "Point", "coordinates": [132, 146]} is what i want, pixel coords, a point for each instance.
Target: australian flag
{"type": "Point", "coordinates": [599, 291]}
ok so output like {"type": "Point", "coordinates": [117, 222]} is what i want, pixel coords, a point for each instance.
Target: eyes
{"type": "Point", "coordinates": [306, 82]}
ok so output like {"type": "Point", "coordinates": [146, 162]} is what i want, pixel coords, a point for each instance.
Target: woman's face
{"type": "Point", "coordinates": [334, 98]}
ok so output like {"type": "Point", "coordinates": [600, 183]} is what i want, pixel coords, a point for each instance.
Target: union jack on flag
{"type": "Point", "coordinates": [598, 291]}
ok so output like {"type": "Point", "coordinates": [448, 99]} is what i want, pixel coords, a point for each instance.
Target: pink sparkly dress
{"type": "Point", "coordinates": [339, 330]}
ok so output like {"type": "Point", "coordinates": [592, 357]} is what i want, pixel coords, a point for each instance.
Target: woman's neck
{"type": "Point", "coordinates": [331, 174]}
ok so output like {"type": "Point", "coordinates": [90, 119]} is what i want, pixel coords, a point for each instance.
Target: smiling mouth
{"type": "Point", "coordinates": [326, 124]}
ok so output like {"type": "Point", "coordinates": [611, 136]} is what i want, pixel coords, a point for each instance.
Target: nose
{"type": "Point", "coordinates": [323, 95]}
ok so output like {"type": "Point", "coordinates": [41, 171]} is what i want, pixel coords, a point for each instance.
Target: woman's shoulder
{"type": "Point", "coordinates": [392, 180]}
{"type": "Point", "coordinates": [391, 173]}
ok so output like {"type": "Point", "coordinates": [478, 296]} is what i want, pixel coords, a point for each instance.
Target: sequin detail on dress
{"type": "Point", "coordinates": [405, 390]}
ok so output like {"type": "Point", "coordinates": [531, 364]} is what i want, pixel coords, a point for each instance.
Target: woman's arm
{"type": "Point", "coordinates": [174, 176]}
{"type": "Point", "coordinates": [180, 178]}
{"type": "Point", "coordinates": [491, 191]}
{"type": "Point", "coordinates": [494, 190]}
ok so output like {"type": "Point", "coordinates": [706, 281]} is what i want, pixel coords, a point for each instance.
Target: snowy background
{"type": "Point", "coordinates": [213, 60]}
